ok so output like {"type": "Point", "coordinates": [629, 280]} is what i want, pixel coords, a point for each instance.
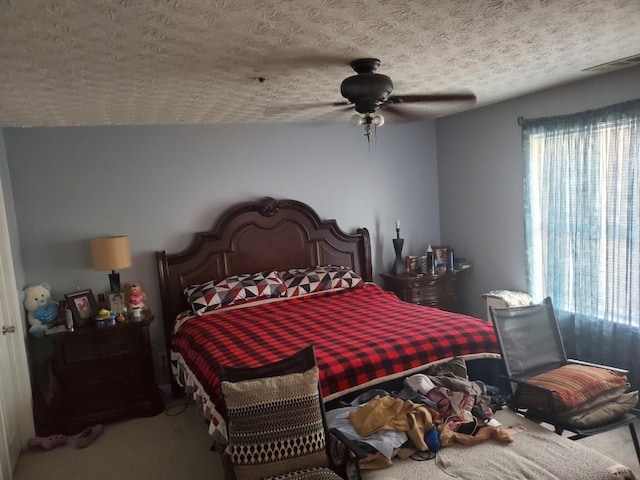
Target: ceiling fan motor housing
{"type": "Point", "coordinates": [367, 91]}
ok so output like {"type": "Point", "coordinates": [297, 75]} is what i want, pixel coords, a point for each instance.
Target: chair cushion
{"type": "Point", "coordinates": [275, 425]}
{"type": "Point", "coordinates": [308, 474]}
{"type": "Point", "coordinates": [590, 415]}
{"type": "Point", "coordinates": [573, 385]}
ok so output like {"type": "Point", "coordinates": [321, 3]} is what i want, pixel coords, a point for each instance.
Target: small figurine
{"type": "Point", "coordinates": [136, 297]}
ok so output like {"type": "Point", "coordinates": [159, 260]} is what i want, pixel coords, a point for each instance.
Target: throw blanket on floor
{"type": "Point", "coordinates": [535, 453]}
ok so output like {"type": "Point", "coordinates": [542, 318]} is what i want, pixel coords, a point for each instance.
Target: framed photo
{"type": "Point", "coordinates": [440, 257]}
{"type": "Point", "coordinates": [115, 301]}
{"type": "Point", "coordinates": [83, 306]}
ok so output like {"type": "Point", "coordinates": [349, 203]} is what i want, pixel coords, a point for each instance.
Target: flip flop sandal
{"type": "Point", "coordinates": [47, 443]}
{"type": "Point", "coordinates": [88, 435]}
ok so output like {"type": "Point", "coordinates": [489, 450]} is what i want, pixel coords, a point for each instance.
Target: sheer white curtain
{"type": "Point", "coordinates": [582, 215]}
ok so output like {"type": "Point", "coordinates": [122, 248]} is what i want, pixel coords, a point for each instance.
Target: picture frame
{"type": "Point", "coordinates": [83, 306]}
{"type": "Point", "coordinates": [440, 253]}
{"type": "Point", "coordinates": [115, 301]}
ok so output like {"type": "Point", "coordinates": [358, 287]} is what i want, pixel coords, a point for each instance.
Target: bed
{"type": "Point", "coordinates": [363, 336]}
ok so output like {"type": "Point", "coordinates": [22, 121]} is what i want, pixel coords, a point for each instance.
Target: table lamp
{"type": "Point", "coordinates": [111, 253]}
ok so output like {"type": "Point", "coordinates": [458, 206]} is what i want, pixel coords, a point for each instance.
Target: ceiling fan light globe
{"type": "Point", "coordinates": [356, 120]}
{"type": "Point", "coordinates": [378, 120]}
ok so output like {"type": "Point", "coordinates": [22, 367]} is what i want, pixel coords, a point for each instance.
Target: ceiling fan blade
{"type": "Point", "coordinates": [436, 97]}
{"type": "Point", "coordinates": [325, 118]}
{"type": "Point", "coordinates": [306, 59]}
{"type": "Point", "coordinates": [401, 113]}
{"type": "Point", "coordinates": [283, 109]}
{"type": "Point", "coordinates": [346, 108]}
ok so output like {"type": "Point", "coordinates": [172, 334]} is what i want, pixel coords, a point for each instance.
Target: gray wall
{"type": "Point", "coordinates": [158, 184]}
{"type": "Point", "coordinates": [481, 178]}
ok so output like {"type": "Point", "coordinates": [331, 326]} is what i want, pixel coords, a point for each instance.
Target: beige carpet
{"type": "Point", "coordinates": [177, 447]}
{"type": "Point", "coordinates": [618, 445]}
{"type": "Point", "coordinates": [155, 448]}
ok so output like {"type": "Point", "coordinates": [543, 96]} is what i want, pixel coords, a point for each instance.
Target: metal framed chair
{"type": "Point", "coordinates": [276, 423]}
{"type": "Point", "coordinates": [532, 349]}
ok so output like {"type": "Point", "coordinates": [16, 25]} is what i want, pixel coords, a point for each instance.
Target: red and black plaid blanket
{"type": "Point", "coordinates": [359, 335]}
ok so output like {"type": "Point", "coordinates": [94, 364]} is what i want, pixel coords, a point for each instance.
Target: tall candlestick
{"type": "Point", "coordinates": [398, 265]}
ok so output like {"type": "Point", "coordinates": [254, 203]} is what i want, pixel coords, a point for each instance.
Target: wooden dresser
{"type": "Point", "coordinates": [433, 290]}
{"type": "Point", "coordinates": [101, 374]}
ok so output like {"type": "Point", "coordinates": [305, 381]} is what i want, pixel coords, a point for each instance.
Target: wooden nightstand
{"type": "Point", "coordinates": [103, 374]}
{"type": "Point", "coordinates": [433, 290]}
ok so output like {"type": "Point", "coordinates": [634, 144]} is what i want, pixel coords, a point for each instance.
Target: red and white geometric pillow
{"type": "Point", "coordinates": [302, 281]}
{"type": "Point", "coordinates": [216, 294]}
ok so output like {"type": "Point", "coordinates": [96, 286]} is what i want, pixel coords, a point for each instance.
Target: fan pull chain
{"type": "Point", "coordinates": [375, 136]}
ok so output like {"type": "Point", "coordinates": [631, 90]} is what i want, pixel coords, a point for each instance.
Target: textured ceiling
{"type": "Point", "coordinates": [123, 62]}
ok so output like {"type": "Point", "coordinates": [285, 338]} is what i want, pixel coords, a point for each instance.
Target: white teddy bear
{"type": "Point", "coordinates": [41, 310]}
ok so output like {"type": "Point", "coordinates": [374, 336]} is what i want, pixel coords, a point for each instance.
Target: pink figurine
{"type": "Point", "coordinates": [135, 295]}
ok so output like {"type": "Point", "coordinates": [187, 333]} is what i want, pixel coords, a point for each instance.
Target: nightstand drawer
{"type": "Point", "coordinates": [86, 398]}
{"type": "Point", "coordinates": [83, 349]}
{"type": "Point", "coordinates": [437, 290]}
{"type": "Point", "coordinates": [425, 295]}
{"type": "Point", "coordinates": [114, 370]}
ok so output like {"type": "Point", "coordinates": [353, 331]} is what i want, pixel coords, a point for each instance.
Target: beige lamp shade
{"type": "Point", "coordinates": [110, 253]}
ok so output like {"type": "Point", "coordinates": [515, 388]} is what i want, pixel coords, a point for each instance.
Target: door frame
{"type": "Point", "coordinates": [12, 314]}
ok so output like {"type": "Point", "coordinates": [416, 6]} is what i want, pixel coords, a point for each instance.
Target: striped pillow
{"type": "Point", "coordinates": [308, 474]}
{"type": "Point", "coordinates": [573, 385]}
{"type": "Point", "coordinates": [274, 425]}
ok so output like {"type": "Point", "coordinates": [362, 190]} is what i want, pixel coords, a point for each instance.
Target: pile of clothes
{"type": "Point", "coordinates": [433, 410]}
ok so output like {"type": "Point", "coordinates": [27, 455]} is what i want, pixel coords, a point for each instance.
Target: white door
{"type": "Point", "coordinates": [16, 420]}
{"type": "Point", "coordinates": [10, 438]}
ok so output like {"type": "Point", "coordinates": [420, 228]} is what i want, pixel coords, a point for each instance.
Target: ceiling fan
{"type": "Point", "coordinates": [368, 92]}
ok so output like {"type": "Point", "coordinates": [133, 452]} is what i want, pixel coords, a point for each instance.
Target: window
{"type": "Point", "coordinates": [582, 211]}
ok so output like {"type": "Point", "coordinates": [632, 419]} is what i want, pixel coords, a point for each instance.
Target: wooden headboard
{"type": "Point", "coordinates": [267, 234]}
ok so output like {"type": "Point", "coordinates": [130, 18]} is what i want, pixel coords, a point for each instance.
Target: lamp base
{"type": "Point", "coordinates": [114, 281]}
